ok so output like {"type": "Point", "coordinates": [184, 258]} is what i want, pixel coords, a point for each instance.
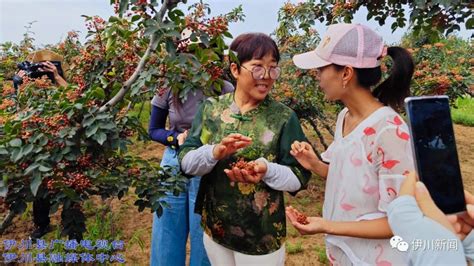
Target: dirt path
{"type": "Point", "coordinates": [306, 250]}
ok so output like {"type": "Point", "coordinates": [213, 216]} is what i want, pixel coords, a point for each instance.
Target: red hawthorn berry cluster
{"type": "Point", "coordinates": [134, 171]}
{"type": "Point", "coordinates": [302, 219]}
{"type": "Point", "coordinates": [85, 160]}
{"type": "Point", "coordinates": [97, 23]}
{"type": "Point", "coordinates": [216, 72]}
{"type": "Point", "coordinates": [51, 125]}
{"type": "Point", "coordinates": [125, 133]}
{"type": "Point", "coordinates": [243, 165]}
{"type": "Point", "coordinates": [8, 90]}
{"type": "Point", "coordinates": [217, 26]}
{"type": "Point", "coordinates": [43, 82]}
{"type": "Point", "coordinates": [5, 103]}
{"type": "Point", "coordinates": [78, 181]}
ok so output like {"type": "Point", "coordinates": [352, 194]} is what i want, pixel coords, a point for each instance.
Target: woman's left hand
{"type": "Point", "coordinates": [241, 175]}
{"type": "Point", "coordinates": [412, 187]}
{"type": "Point", "coordinates": [316, 225]}
{"type": "Point", "coordinates": [49, 67]}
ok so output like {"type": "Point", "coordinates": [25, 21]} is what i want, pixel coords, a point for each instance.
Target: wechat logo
{"type": "Point", "coordinates": [398, 243]}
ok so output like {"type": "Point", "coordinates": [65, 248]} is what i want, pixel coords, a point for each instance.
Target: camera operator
{"type": "Point", "coordinates": [38, 64]}
{"type": "Point", "coordinates": [48, 67]}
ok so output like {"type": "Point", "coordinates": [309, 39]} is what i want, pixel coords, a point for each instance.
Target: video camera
{"type": "Point", "coordinates": [32, 70]}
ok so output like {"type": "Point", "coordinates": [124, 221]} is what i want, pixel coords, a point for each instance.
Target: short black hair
{"type": "Point", "coordinates": [254, 45]}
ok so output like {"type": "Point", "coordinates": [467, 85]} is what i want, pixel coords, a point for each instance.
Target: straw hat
{"type": "Point", "coordinates": [47, 55]}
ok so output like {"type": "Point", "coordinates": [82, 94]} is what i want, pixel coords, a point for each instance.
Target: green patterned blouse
{"type": "Point", "coordinates": [248, 218]}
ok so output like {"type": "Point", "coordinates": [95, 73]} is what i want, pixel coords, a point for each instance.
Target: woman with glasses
{"type": "Point", "coordinates": [239, 143]}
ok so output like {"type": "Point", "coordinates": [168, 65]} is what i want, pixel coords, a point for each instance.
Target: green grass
{"type": "Point", "coordinates": [464, 113]}
{"type": "Point", "coordinates": [142, 111]}
{"type": "Point", "coordinates": [322, 257]}
{"type": "Point", "coordinates": [294, 248]}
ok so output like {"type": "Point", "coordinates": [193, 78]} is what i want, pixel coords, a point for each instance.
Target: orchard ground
{"type": "Point", "coordinates": [135, 227]}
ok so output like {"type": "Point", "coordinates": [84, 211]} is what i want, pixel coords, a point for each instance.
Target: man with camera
{"type": "Point", "coordinates": [40, 63]}
{"type": "Point", "coordinates": [37, 65]}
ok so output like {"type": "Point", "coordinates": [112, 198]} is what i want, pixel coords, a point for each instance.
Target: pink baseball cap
{"type": "Point", "coordinates": [346, 45]}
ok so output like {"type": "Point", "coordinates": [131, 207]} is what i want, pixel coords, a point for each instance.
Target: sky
{"type": "Point", "coordinates": [54, 18]}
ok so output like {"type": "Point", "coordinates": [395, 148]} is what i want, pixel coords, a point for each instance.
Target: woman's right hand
{"type": "Point", "coordinates": [304, 154]}
{"type": "Point", "coordinates": [229, 145]}
{"type": "Point", "coordinates": [182, 137]}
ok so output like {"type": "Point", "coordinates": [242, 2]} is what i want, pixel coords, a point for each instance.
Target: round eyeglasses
{"type": "Point", "coordinates": [259, 72]}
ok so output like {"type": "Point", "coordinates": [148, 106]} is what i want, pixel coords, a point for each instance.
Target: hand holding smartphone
{"type": "Point", "coordinates": [434, 149]}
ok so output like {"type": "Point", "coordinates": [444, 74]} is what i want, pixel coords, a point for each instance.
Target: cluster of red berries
{"type": "Point", "coordinates": [302, 219]}
{"type": "Point", "coordinates": [134, 171]}
{"type": "Point", "coordinates": [217, 26]}
{"type": "Point", "coordinates": [97, 23]}
{"type": "Point", "coordinates": [243, 165]}
{"type": "Point", "coordinates": [216, 72]}
{"type": "Point", "coordinates": [84, 160]}
{"type": "Point", "coordinates": [6, 103]}
{"type": "Point", "coordinates": [78, 181]}
{"type": "Point", "coordinates": [8, 90]}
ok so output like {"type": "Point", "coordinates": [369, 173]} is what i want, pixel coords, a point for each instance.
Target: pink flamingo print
{"type": "Point", "coordinates": [369, 157]}
{"type": "Point", "coordinates": [392, 193]}
{"type": "Point", "coordinates": [369, 131]}
{"type": "Point", "coordinates": [402, 134]}
{"type": "Point", "coordinates": [378, 262]}
{"type": "Point", "coordinates": [389, 164]}
{"type": "Point", "coordinates": [355, 161]}
{"type": "Point", "coordinates": [332, 259]}
{"type": "Point", "coordinates": [367, 188]}
{"type": "Point", "coordinates": [396, 121]}
{"type": "Point", "coordinates": [345, 206]}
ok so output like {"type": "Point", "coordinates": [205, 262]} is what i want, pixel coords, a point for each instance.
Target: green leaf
{"type": "Point", "coordinates": [31, 168]}
{"type": "Point", "coordinates": [100, 137]}
{"type": "Point", "coordinates": [3, 189]}
{"type": "Point", "coordinates": [27, 149]}
{"type": "Point", "coordinates": [150, 30]}
{"type": "Point", "coordinates": [88, 121]}
{"type": "Point", "coordinates": [108, 125]}
{"type": "Point", "coordinates": [470, 24]}
{"type": "Point", "coordinates": [78, 106]}
{"type": "Point", "coordinates": [43, 168]}
{"type": "Point", "coordinates": [135, 18]}
{"type": "Point", "coordinates": [43, 141]}
{"type": "Point", "coordinates": [15, 142]}
{"type": "Point", "coordinates": [123, 6]}
{"type": "Point", "coordinates": [36, 137]}
{"type": "Point", "coordinates": [91, 130]}
{"type": "Point", "coordinates": [35, 183]}
{"type": "Point", "coordinates": [99, 93]}
{"type": "Point", "coordinates": [16, 155]}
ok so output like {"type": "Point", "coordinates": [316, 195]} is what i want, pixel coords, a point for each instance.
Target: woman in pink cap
{"type": "Point", "coordinates": [366, 163]}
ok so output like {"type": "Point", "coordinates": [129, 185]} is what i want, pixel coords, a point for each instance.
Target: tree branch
{"type": "Point", "coordinates": [167, 4]}
{"type": "Point", "coordinates": [7, 221]}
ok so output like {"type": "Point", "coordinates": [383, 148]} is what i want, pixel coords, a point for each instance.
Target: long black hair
{"type": "Point", "coordinates": [396, 87]}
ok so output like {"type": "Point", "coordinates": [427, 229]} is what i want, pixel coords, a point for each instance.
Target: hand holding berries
{"type": "Point", "coordinates": [246, 172]}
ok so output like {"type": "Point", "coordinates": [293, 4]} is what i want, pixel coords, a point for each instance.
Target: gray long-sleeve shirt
{"type": "Point", "coordinates": [422, 233]}
{"type": "Point", "coordinates": [278, 177]}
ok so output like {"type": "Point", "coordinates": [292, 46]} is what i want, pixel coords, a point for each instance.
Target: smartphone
{"type": "Point", "coordinates": [434, 150]}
